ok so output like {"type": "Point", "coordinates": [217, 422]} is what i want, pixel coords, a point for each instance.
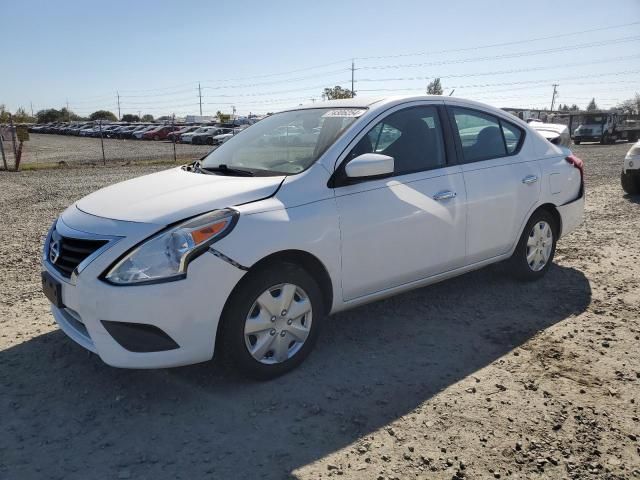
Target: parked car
{"type": "Point", "coordinates": [556, 133]}
{"type": "Point", "coordinates": [188, 137]}
{"type": "Point", "coordinates": [124, 132]}
{"type": "Point", "coordinates": [175, 136]}
{"type": "Point", "coordinates": [138, 134]}
{"type": "Point", "coordinates": [159, 133]}
{"type": "Point", "coordinates": [630, 176]}
{"type": "Point", "coordinates": [244, 252]}
{"type": "Point", "coordinates": [206, 138]}
{"type": "Point", "coordinates": [86, 131]}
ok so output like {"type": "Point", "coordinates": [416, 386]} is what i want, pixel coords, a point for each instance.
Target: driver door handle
{"type": "Point", "coordinates": [444, 195]}
{"type": "Point", "coordinates": [529, 179]}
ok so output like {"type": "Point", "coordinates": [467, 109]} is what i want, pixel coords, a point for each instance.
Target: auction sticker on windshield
{"type": "Point", "coordinates": [344, 112]}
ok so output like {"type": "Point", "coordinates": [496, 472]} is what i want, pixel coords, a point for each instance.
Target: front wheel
{"type": "Point", "coordinates": [576, 142]}
{"type": "Point", "coordinates": [536, 247]}
{"type": "Point", "coordinates": [271, 321]}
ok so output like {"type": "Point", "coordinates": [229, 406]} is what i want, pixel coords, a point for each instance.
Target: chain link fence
{"type": "Point", "coordinates": [101, 148]}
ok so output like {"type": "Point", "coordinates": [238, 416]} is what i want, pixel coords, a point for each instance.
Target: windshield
{"type": "Point", "coordinates": [594, 119]}
{"type": "Point", "coordinates": [284, 143]}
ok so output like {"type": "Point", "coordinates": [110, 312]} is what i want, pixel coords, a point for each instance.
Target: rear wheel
{"type": "Point", "coordinates": [536, 247]}
{"type": "Point", "coordinates": [271, 321]}
{"type": "Point", "coordinates": [630, 183]}
{"type": "Point", "coordinates": [209, 141]}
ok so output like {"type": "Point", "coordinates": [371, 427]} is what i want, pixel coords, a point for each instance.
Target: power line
{"type": "Point", "coordinates": [505, 55]}
{"type": "Point", "coordinates": [500, 72]}
{"type": "Point", "coordinates": [502, 44]}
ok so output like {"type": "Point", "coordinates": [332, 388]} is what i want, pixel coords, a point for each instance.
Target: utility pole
{"type": "Point", "coordinates": [353, 69]}
{"type": "Point", "coordinates": [118, 100]}
{"type": "Point", "coordinates": [553, 98]}
{"type": "Point", "coordinates": [31, 103]}
{"type": "Point", "coordinates": [200, 96]}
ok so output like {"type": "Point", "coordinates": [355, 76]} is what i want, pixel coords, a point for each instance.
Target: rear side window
{"type": "Point", "coordinates": [480, 135]}
{"type": "Point", "coordinates": [512, 136]}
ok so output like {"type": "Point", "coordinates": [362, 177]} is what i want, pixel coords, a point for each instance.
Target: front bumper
{"type": "Point", "coordinates": [586, 138]}
{"type": "Point", "coordinates": [187, 310]}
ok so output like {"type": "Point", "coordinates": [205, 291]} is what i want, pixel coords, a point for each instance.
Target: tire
{"type": "Point", "coordinates": [576, 142]}
{"type": "Point", "coordinates": [156, 138]}
{"type": "Point", "coordinates": [520, 265]}
{"type": "Point", "coordinates": [243, 305]}
{"type": "Point", "coordinates": [209, 141]}
{"type": "Point", "coordinates": [605, 139]}
{"type": "Point", "coordinates": [630, 183]}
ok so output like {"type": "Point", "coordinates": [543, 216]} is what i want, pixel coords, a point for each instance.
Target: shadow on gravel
{"type": "Point", "coordinates": [632, 198]}
{"type": "Point", "coordinates": [67, 415]}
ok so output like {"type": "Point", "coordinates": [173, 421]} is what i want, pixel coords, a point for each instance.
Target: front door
{"type": "Point", "coordinates": [408, 227]}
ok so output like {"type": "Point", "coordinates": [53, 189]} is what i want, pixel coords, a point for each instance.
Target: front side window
{"type": "Point", "coordinates": [480, 135]}
{"type": "Point", "coordinates": [285, 143]}
{"type": "Point", "coordinates": [413, 137]}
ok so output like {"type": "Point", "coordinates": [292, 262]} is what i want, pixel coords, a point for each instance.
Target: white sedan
{"type": "Point", "coordinates": [630, 176]}
{"type": "Point", "coordinates": [245, 252]}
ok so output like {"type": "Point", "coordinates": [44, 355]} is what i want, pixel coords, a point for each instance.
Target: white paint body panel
{"type": "Point", "coordinates": [374, 239]}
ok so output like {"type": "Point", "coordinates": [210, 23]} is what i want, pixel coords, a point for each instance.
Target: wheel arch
{"type": "Point", "coordinates": [548, 207]}
{"type": "Point", "coordinates": [553, 210]}
{"type": "Point", "coordinates": [305, 260]}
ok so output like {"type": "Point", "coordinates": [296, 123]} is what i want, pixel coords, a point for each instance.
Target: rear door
{"type": "Point", "coordinates": [502, 180]}
{"type": "Point", "coordinates": [401, 229]}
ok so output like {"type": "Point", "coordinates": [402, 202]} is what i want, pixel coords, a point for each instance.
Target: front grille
{"type": "Point", "coordinates": [585, 131]}
{"type": "Point", "coordinates": [66, 253]}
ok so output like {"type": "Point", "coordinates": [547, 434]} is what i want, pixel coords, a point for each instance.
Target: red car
{"type": "Point", "coordinates": [159, 133]}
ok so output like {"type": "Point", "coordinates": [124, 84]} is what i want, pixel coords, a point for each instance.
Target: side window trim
{"type": "Point", "coordinates": [456, 134]}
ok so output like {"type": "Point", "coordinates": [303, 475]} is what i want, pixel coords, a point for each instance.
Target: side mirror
{"type": "Point", "coordinates": [370, 165]}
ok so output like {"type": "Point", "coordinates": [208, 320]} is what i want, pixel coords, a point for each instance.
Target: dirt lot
{"type": "Point", "coordinates": [477, 377]}
{"type": "Point", "coordinates": [47, 149]}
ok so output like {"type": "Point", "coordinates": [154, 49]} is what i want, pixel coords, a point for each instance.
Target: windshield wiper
{"type": "Point", "coordinates": [225, 170]}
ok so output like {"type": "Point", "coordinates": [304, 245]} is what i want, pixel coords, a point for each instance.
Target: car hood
{"type": "Point", "coordinates": [171, 195]}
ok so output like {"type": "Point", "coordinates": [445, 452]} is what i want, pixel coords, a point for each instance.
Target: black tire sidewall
{"type": "Point", "coordinates": [630, 183]}
{"type": "Point", "coordinates": [231, 338]}
{"type": "Point", "coordinates": [520, 266]}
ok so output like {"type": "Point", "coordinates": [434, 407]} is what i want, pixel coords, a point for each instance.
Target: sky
{"type": "Point", "coordinates": [261, 56]}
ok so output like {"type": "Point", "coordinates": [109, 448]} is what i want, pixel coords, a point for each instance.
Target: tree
{"type": "Point", "coordinates": [574, 108]}
{"type": "Point", "coordinates": [223, 117]}
{"type": "Point", "coordinates": [4, 114]}
{"type": "Point", "coordinates": [631, 106]}
{"type": "Point", "coordinates": [592, 105]}
{"type": "Point", "coordinates": [103, 115]}
{"type": "Point", "coordinates": [147, 118]}
{"type": "Point", "coordinates": [337, 92]}
{"type": "Point", "coordinates": [128, 117]}
{"type": "Point", "coordinates": [21, 116]}
{"type": "Point", "coordinates": [434, 87]}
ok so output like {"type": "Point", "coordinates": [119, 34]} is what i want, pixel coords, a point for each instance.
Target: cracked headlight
{"type": "Point", "coordinates": [165, 256]}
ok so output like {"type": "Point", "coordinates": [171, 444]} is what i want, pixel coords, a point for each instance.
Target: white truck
{"type": "Point", "coordinates": [630, 176]}
{"type": "Point", "coordinates": [606, 127]}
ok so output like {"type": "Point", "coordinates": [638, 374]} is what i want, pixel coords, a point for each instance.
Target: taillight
{"type": "Point", "coordinates": [576, 162]}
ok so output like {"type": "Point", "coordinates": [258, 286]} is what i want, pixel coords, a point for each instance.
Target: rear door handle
{"type": "Point", "coordinates": [530, 179]}
{"type": "Point", "coordinates": [445, 195]}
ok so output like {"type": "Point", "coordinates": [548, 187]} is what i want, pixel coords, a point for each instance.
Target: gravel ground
{"type": "Point", "coordinates": [477, 377]}
{"type": "Point", "coordinates": [44, 149]}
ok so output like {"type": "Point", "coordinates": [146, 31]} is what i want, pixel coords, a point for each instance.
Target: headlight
{"type": "Point", "coordinates": [165, 256]}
